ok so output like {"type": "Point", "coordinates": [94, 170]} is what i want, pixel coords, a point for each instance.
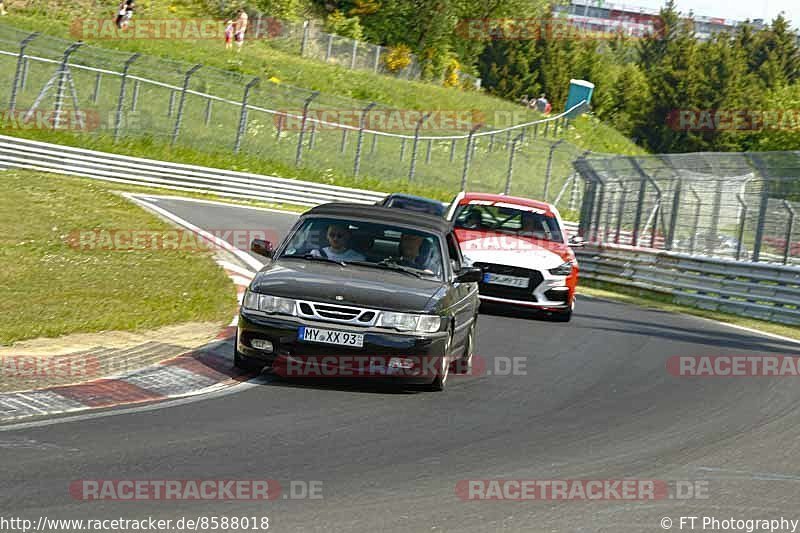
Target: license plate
{"type": "Point", "coordinates": [330, 336]}
{"type": "Point", "coordinates": [509, 281]}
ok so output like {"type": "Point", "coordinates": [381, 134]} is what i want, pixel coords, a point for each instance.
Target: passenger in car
{"type": "Point", "coordinates": [417, 252]}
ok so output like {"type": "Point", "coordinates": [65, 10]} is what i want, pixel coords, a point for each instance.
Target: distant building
{"type": "Point", "coordinates": [637, 21]}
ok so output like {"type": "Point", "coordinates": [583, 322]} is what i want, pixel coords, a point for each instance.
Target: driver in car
{"type": "Point", "coordinates": [339, 245]}
{"type": "Point", "coordinates": [413, 255]}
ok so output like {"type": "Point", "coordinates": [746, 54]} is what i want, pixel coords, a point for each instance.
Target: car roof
{"type": "Point", "coordinates": [528, 202]}
{"type": "Point", "coordinates": [382, 215]}
{"type": "Point", "coordinates": [413, 197]}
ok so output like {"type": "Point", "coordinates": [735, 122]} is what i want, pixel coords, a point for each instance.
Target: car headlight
{"type": "Point", "coordinates": [254, 301]}
{"type": "Point", "coordinates": [410, 322]}
{"type": "Point", "coordinates": [562, 270]}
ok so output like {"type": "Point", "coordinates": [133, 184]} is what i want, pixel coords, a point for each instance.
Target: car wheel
{"type": "Point", "coordinates": [245, 364]}
{"type": "Point", "coordinates": [440, 381]}
{"type": "Point", "coordinates": [464, 365]}
{"type": "Point", "coordinates": [565, 315]}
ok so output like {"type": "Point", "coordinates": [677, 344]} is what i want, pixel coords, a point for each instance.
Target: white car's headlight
{"type": "Point", "coordinates": [410, 322]}
{"type": "Point", "coordinates": [254, 301]}
{"type": "Point", "coordinates": [564, 269]}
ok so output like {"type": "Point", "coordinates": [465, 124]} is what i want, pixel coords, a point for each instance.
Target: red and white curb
{"type": "Point", "coordinates": [205, 370]}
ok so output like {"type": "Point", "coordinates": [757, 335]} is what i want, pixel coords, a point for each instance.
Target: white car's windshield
{"type": "Point", "coordinates": [523, 221]}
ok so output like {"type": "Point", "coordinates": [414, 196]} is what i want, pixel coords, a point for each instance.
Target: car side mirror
{"type": "Point", "coordinates": [469, 275]}
{"type": "Point", "coordinates": [261, 247]}
{"type": "Point", "coordinates": [576, 241]}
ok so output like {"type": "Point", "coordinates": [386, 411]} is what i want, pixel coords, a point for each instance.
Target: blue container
{"type": "Point", "coordinates": [579, 90]}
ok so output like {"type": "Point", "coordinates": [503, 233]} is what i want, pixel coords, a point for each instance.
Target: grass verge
{"type": "Point", "coordinates": [653, 300]}
{"type": "Point", "coordinates": [50, 288]}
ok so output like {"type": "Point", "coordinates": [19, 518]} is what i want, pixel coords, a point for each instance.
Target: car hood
{"type": "Point", "coordinates": [359, 286]}
{"type": "Point", "coordinates": [512, 250]}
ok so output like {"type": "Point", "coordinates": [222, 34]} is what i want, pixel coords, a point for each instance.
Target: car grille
{"type": "Point", "coordinates": [337, 313]}
{"type": "Point", "coordinates": [510, 293]}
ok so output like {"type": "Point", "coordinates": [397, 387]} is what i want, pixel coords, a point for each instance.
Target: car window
{"type": "Point", "coordinates": [523, 221]}
{"type": "Point", "coordinates": [454, 253]}
{"type": "Point", "coordinates": [366, 243]}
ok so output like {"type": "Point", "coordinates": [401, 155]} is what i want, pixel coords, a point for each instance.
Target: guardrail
{"type": "Point", "coordinates": [35, 155]}
{"type": "Point", "coordinates": [755, 290]}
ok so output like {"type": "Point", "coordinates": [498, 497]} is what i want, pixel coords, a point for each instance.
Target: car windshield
{"type": "Point", "coordinates": [524, 221]}
{"type": "Point", "coordinates": [368, 244]}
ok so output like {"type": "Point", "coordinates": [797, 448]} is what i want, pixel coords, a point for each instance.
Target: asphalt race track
{"type": "Point", "coordinates": [593, 401]}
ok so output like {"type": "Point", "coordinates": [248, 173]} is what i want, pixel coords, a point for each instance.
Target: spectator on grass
{"type": "Point", "coordinates": [542, 104]}
{"type": "Point", "coordinates": [240, 28]}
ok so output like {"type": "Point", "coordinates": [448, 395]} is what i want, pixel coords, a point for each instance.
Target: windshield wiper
{"type": "Point", "coordinates": [312, 257]}
{"type": "Point", "coordinates": [391, 264]}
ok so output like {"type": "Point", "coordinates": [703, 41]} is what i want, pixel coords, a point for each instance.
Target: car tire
{"type": "Point", "coordinates": [565, 315]}
{"type": "Point", "coordinates": [245, 364]}
{"type": "Point", "coordinates": [464, 365]}
{"type": "Point", "coordinates": [439, 382]}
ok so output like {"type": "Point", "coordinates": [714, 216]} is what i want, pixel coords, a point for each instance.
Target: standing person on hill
{"type": "Point", "coordinates": [542, 104]}
{"type": "Point", "coordinates": [229, 29]}
{"type": "Point", "coordinates": [240, 28]}
{"type": "Point", "coordinates": [2, 9]}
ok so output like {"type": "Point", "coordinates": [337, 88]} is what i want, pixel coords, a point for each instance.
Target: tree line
{"type": "Point", "coordinates": [667, 90]}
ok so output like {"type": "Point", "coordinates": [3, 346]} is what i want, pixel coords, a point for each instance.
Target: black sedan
{"type": "Point", "coordinates": [358, 290]}
{"type": "Point", "coordinates": [415, 203]}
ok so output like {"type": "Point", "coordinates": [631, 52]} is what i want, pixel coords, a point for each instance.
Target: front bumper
{"type": "Point", "coordinates": [545, 290]}
{"type": "Point", "coordinates": [377, 358]}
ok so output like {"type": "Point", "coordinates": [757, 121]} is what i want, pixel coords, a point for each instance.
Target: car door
{"type": "Point", "coordinates": [464, 297]}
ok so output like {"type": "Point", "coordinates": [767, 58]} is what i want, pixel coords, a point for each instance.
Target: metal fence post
{"type": "Point", "coordinates": [240, 131]}
{"type": "Point", "coordinates": [377, 59]}
{"type": "Point", "coordinates": [353, 57]}
{"type": "Point", "coordinates": [97, 81]}
{"type": "Point", "coordinates": [171, 108]}
{"type": "Point", "coordinates": [403, 149]}
{"type": "Point", "coordinates": [510, 171]}
{"type": "Point", "coordinates": [258, 25]}
{"type": "Point", "coordinates": [789, 228]}
{"type": "Point", "coordinates": [549, 170]}
{"type": "Point", "coordinates": [468, 156]}
{"type": "Point", "coordinates": [62, 80]}
{"type": "Point", "coordinates": [343, 144]}
{"type": "Point", "coordinates": [209, 106]}
{"type": "Point", "coordinates": [762, 208]}
{"type": "Point", "coordinates": [374, 143]}
{"type": "Point", "coordinates": [23, 84]}
{"type": "Point", "coordinates": [330, 47]}
{"type": "Point", "coordinates": [361, 125]}
{"type": "Point", "coordinates": [536, 130]}
{"type": "Point", "coordinates": [491, 143]}
{"type": "Point", "coordinates": [555, 128]}
{"type": "Point", "coordinates": [696, 222]}
{"type": "Point", "coordinates": [428, 153]}
{"type": "Point", "coordinates": [299, 155]}
{"type": "Point", "coordinates": [742, 221]}
{"type": "Point", "coordinates": [452, 150]}
{"type": "Point", "coordinates": [413, 166]}
{"type": "Point", "coordinates": [121, 100]}
{"type": "Point", "coordinates": [637, 221]}
{"type": "Point", "coordinates": [312, 136]}
{"type": "Point", "coordinates": [135, 96]}
{"type": "Point", "coordinates": [186, 79]}
{"type": "Point", "coordinates": [673, 216]}
{"type": "Point", "coordinates": [304, 41]}
{"type": "Point", "coordinates": [18, 72]}
{"type": "Point", "coordinates": [279, 126]}
{"type": "Point", "coordinates": [620, 211]}
{"type": "Point", "coordinates": [546, 129]}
